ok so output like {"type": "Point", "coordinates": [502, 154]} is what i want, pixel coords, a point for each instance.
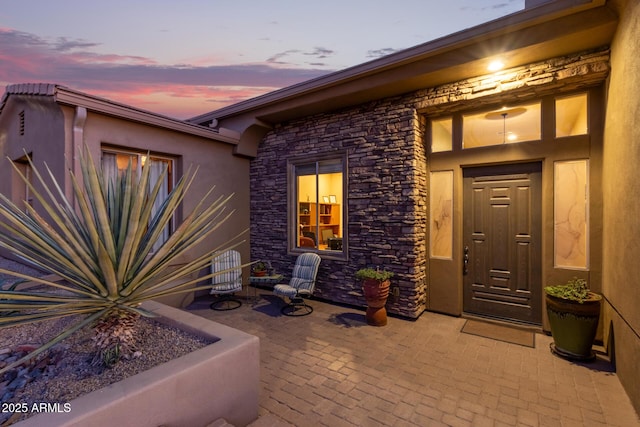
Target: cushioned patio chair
{"type": "Point", "coordinates": [228, 281]}
{"type": "Point", "coordinates": [301, 285]}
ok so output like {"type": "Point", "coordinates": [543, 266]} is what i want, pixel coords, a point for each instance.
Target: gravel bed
{"type": "Point", "coordinates": [8, 264]}
{"type": "Point", "coordinates": [65, 371]}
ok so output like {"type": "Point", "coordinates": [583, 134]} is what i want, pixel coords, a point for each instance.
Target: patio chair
{"type": "Point", "coordinates": [301, 285]}
{"type": "Point", "coordinates": [228, 282]}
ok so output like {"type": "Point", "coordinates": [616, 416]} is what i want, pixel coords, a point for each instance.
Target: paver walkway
{"type": "Point", "coordinates": [331, 369]}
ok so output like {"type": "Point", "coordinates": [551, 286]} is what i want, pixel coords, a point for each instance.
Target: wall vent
{"type": "Point", "coordinates": [21, 123]}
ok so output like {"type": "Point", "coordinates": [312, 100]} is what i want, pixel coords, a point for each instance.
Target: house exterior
{"type": "Point", "coordinates": [476, 188]}
{"type": "Point", "coordinates": [51, 124]}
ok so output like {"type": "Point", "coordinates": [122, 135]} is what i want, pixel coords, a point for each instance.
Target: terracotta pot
{"type": "Point", "coordinates": [573, 326]}
{"type": "Point", "coordinates": [260, 273]}
{"type": "Point", "coordinates": [376, 294]}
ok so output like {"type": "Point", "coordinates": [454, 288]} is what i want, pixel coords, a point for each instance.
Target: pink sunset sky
{"type": "Point", "coordinates": [185, 58]}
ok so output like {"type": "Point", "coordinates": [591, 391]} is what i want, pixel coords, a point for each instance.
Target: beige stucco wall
{"type": "Point", "coordinates": [43, 127]}
{"type": "Point", "coordinates": [217, 166]}
{"type": "Point", "coordinates": [215, 160]}
{"type": "Point", "coordinates": [54, 133]}
{"type": "Point", "coordinates": [621, 242]}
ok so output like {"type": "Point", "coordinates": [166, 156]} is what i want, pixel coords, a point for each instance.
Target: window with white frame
{"type": "Point", "coordinates": [115, 162]}
{"type": "Point", "coordinates": [319, 200]}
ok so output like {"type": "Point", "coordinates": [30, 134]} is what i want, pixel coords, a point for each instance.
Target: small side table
{"type": "Point", "coordinates": [256, 281]}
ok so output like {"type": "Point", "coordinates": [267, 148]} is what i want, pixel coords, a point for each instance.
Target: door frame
{"type": "Point", "coordinates": [534, 272]}
{"type": "Point", "coordinates": [444, 285]}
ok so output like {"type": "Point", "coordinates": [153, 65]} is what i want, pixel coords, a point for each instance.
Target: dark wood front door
{"type": "Point", "coordinates": [502, 242]}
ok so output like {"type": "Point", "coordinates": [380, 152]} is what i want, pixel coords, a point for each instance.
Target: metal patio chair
{"type": "Point", "coordinates": [301, 285]}
{"type": "Point", "coordinates": [228, 282]}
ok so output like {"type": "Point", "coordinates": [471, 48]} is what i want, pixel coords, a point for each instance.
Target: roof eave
{"type": "Point", "coordinates": [370, 76]}
{"type": "Point", "coordinates": [67, 96]}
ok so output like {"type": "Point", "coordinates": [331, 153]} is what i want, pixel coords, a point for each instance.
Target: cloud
{"type": "Point", "coordinates": [176, 100]}
{"type": "Point", "coordinates": [26, 58]}
{"type": "Point", "coordinates": [63, 44]}
{"type": "Point", "coordinates": [492, 6]}
{"type": "Point", "coordinates": [276, 59]}
{"type": "Point", "coordinates": [320, 52]}
{"type": "Point", "coordinates": [317, 52]}
{"type": "Point", "coordinates": [508, 3]}
{"type": "Point", "coordinates": [377, 53]}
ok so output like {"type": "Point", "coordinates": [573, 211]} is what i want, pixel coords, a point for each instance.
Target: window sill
{"type": "Point", "coordinates": [324, 254]}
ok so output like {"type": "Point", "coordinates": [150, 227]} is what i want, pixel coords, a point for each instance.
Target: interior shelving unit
{"type": "Point", "coordinates": [327, 218]}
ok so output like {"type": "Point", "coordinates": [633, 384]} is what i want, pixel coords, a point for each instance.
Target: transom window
{"type": "Point", "coordinates": [506, 125]}
{"type": "Point", "coordinates": [571, 115]}
{"type": "Point", "coordinates": [510, 124]}
{"type": "Point", "coordinates": [318, 205]}
{"type": "Point", "coordinates": [441, 134]}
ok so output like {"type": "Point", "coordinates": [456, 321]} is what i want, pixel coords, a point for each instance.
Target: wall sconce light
{"type": "Point", "coordinates": [496, 65]}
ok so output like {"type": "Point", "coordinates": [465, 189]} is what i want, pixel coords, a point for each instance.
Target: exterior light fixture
{"type": "Point", "coordinates": [502, 114]}
{"type": "Point", "coordinates": [495, 65]}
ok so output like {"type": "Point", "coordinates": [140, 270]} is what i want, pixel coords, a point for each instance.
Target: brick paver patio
{"type": "Point", "coordinates": [331, 369]}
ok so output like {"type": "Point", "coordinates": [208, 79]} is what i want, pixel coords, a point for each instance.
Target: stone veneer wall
{"type": "Point", "coordinates": [386, 202]}
{"type": "Point", "coordinates": [387, 174]}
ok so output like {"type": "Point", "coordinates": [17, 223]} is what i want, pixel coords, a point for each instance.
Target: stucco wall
{"type": "Point", "coordinates": [621, 246]}
{"type": "Point", "coordinates": [217, 166]}
{"type": "Point", "coordinates": [43, 128]}
{"type": "Point", "coordinates": [49, 134]}
{"type": "Point", "coordinates": [386, 198]}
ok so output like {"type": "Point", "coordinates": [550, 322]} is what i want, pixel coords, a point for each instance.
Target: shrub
{"type": "Point", "coordinates": [101, 244]}
{"type": "Point", "coordinates": [574, 290]}
{"type": "Point", "coordinates": [375, 274]}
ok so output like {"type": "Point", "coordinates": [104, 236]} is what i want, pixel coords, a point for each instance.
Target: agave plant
{"type": "Point", "coordinates": [102, 247]}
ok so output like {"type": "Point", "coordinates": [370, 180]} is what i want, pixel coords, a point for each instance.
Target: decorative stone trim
{"type": "Point", "coordinates": [555, 75]}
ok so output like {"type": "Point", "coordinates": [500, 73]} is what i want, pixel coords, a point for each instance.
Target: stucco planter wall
{"type": "Point", "coordinates": [221, 380]}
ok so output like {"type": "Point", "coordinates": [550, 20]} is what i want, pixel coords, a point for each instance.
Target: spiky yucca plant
{"type": "Point", "coordinates": [101, 245]}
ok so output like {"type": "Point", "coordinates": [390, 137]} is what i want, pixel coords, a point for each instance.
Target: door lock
{"type": "Point", "coordinates": [465, 261]}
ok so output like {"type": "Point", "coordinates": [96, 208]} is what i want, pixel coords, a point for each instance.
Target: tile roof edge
{"type": "Point", "coordinates": [66, 95]}
{"type": "Point", "coordinates": [32, 89]}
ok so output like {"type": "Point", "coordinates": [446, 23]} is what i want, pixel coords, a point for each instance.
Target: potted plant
{"type": "Point", "coordinates": [259, 269]}
{"type": "Point", "coordinates": [573, 312]}
{"type": "Point", "coordinates": [375, 286]}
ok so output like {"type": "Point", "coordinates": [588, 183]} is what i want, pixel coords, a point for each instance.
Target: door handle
{"type": "Point", "coordinates": [465, 261]}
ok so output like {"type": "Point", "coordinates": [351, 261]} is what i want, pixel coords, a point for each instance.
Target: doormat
{"type": "Point", "coordinates": [500, 332]}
